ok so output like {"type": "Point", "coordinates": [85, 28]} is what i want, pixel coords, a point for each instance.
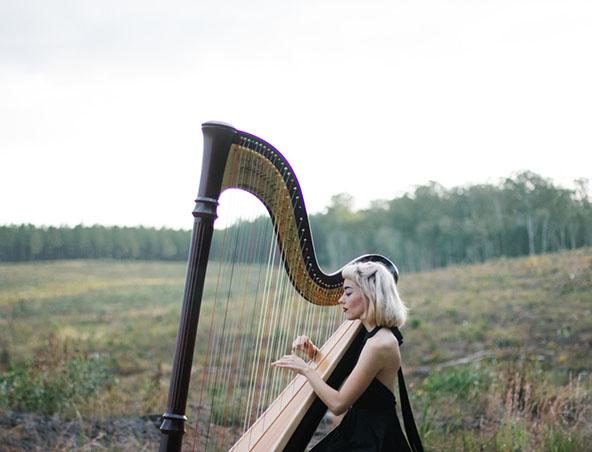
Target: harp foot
{"type": "Point", "coordinates": [172, 429]}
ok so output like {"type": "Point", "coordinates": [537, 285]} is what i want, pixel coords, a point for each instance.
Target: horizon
{"type": "Point", "coordinates": [233, 201]}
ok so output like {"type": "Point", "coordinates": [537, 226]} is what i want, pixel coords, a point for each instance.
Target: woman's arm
{"type": "Point", "coordinates": [371, 361]}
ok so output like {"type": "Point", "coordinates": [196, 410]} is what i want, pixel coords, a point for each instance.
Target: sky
{"type": "Point", "coordinates": [101, 102]}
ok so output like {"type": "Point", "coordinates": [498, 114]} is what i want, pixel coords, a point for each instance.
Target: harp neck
{"type": "Point", "coordinates": [234, 159]}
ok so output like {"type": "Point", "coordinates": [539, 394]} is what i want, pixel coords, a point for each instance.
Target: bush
{"type": "Point", "coordinates": [34, 386]}
{"type": "Point", "coordinates": [460, 382]}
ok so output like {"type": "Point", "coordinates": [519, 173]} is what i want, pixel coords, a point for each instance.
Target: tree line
{"type": "Point", "coordinates": [29, 242]}
{"type": "Point", "coordinates": [427, 228]}
{"type": "Point", "coordinates": [432, 226]}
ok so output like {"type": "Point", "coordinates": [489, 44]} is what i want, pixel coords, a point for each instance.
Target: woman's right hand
{"type": "Point", "coordinates": [305, 345]}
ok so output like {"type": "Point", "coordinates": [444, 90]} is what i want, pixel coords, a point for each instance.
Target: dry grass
{"type": "Point", "coordinates": [498, 355]}
{"type": "Point", "coordinates": [526, 323]}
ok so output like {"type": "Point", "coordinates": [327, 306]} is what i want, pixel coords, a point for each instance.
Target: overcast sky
{"type": "Point", "coordinates": [101, 102]}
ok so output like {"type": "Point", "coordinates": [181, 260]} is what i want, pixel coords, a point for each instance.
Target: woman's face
{"type": "Point", "coordinates": [352, 301]}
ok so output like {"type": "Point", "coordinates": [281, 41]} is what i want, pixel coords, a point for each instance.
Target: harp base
{"type": "Point", "coordinates": [172, 429]}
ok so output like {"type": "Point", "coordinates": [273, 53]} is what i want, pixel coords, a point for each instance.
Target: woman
{"type": "Point", "coordinates": [371, 424]}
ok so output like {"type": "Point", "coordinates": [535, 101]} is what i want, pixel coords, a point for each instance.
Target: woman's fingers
{"type": "Point", "coordinates": [282, 361]}
{"type": "Point", "coordinates": [304, 344]}
{"type": "Point", "coordinates": [301, 342]}
{"type": "Point", "coordinates": [291, 362]}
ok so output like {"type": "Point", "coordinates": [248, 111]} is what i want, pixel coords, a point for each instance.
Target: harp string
{"type": "Point", "coordinates": [219, 387]}
{"type": "Point", "coordinates": [271, 319]}
{"type": "Point", "coordinates": [262, 338]}
{"type": "Point", "coordinates": [278, 295]}
{"type": "Point", "coordinates": [207, 354]}
{"type": "Point", "coordinates": [224, 370]}
{"type": "Point", "coordinates": [236, 349]}
{"type": "Point", "coordinates": [244, 330]}
{"type": "Point", "coordinates": [217, 343]}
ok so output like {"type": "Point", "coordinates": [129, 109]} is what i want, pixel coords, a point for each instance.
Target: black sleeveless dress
{"type": "Point", "coordinates": [371, 424]}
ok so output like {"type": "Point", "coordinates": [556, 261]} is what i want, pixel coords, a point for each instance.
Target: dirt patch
{"type": "Point", "coordinates": [27, 432]}
{"type": "Point", "coordinates": [30, 432]}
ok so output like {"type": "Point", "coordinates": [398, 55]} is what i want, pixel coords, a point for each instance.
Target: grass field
{"type": "Point", "coordinates": [497, 356]}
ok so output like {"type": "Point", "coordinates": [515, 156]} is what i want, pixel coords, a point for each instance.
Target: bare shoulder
{"type": "Point", "coordinates": [383, 342]}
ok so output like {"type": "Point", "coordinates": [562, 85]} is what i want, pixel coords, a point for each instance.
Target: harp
{"type": "Point", "coordinates": [235, 159]}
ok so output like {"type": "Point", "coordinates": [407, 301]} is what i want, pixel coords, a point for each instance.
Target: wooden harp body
{"type": "Point", "coordinates": [234, 159]}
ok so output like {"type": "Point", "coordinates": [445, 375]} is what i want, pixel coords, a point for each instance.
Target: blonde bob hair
{"type": "Point", "coordinates": [384, 306]}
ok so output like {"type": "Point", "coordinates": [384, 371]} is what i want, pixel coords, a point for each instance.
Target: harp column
{"type": "Point", "coordinates": [218, 139]}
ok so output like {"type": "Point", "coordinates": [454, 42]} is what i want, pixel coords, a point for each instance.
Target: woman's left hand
{"type": "Point", "coordinates": [291, 362]}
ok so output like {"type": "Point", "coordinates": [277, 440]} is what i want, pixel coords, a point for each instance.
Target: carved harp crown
{"type": "Point", "coordinates": [235, 159]}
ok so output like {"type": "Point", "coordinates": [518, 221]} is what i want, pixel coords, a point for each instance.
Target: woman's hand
{"type": "Point", "coordinates": [293, 363]}
{"type": "Point", "coordinates": [305, 345]}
